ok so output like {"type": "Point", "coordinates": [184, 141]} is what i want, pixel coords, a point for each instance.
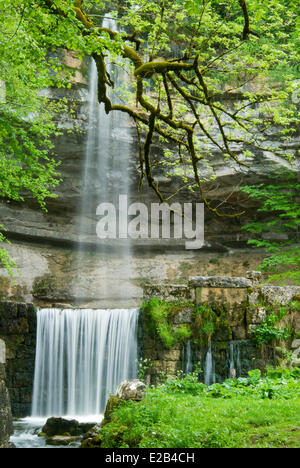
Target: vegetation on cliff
{"type": "Point", "coordinates": [280, 202]}
{"type": "Point", "coordinates": [185, 59]}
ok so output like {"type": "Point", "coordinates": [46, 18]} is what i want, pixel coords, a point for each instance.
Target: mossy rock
{"type": "Point", "coordinates": [112, 403]}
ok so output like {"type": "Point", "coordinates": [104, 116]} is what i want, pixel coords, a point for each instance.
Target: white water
{"type": "Point", "coordinates": [209, 372]}
{"type": "Point", "coordinates": [235, 368]}
{"type": "Point", "coordinates": [105, 176]}
{"type": "Point", "coordinates": [81, 357]}
{"type": "Point", "coordinates": [187, 362]}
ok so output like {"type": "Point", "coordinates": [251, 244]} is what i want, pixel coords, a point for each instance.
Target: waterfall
{"type": "Point", "coordinates": [187, 362]}
{"type": "Point", "coordinates": [81, 357]}
{"type": "Point", "coordinates": [235, 366]}
{"type": "Point", "coordinates": [209, 367]}
{"type": "Point", "coordinates": [105, 177]}
{"type": "Point", "coordinates": [232, 369]}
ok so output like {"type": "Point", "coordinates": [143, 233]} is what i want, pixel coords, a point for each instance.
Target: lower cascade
{"type": "Point", "coordinates": [81, 357]}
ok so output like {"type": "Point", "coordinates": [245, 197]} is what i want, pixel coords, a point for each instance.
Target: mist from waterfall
{"type": "Point", "coordinates": [81, 357]}
{"type": "Point", "coordinates": [105, 176]}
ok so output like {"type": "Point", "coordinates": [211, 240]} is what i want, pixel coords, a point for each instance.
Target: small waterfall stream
{"type": "Point", "coordinates": [209, 367]}
{"type": "Point", "coordinates": [81, 357]}
{"type": "Point", "coordinates": [235, 367]}
{"type": "Point", "coordinates": [187, 358]}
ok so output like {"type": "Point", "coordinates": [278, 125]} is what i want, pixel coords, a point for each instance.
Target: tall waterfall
{"type": "Point", "coordinates": [105, 177]}
{"type": "Point", "coordinates": [81, 357]}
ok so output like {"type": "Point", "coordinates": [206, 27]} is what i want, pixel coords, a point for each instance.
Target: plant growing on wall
{"type": "Point", "coordinates": [280, 203]}
{"type": "Point", "coordinates": [160, 315]}
{"type": "Point", "coordinates": [271, 329]}
{"type": "Point", "coordinates": [207, 320]}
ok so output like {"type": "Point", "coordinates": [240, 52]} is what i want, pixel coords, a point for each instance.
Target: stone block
{"type": "Point", "coordinates": [169, 292]}
{"type": "Point", "coordinates": [219, 282]}
{"type": "Point", "coordinates": [184, 316]}
{"type": "Point", "coordinates": [256, 315]}
{"type": "Point", "coordinates": [295, 344]}
{"type": "Point", "coordinates": [239, 333]}
{"type": "Point", "coordinates": [228, 296]}
{"type": "Point", "coordinates": [254, 276]}
{"type": "Point", "coordinates": [254, 298]}
{"type": "Point", "coordinates": [282, 295]}
{"type": "Point", "coordinates": [172, 355]}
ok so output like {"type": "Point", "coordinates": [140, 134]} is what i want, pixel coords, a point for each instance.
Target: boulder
{"type": "Point", "coordinates": [62, 427]}
{"type": "Point", "coordinates": [131, 390]}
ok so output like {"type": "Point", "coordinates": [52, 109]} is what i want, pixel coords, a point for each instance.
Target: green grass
{"type": "Point", "coordinates": [182, 414]}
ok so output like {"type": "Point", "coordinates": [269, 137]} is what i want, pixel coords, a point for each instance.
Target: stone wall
{"type": "Point", "coordinates": [18, 331]}
{"type": "Point", "coordinates": [6, 426]}
{"type": "Point", "coordinates": [239, 305]}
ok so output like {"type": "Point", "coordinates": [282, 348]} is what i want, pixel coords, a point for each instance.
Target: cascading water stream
{"type": "Point", "coordinates": [235, 367]}
{"type": "Point", "coordinates": [81, 357]}
{"type": "Point", "coordinates": [209, 371]}
{"type": "Point", "coordinates": [105, 177]}
{"type": "Point", "coordinates": [187, 361]}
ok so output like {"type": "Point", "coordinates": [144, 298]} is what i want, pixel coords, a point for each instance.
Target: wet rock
{"type": "Point", "coordinates": [70, 427]}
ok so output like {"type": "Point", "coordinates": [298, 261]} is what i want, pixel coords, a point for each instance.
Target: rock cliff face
{"type": "Point", "coordinates": [6, 427]}
{"type": "Point", "coordinates": [45, 244]}
{"type": "Point", "coordinates": [18, 332]}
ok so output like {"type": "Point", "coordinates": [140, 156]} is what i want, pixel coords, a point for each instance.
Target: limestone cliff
{"type": "Point", "coordinates": [45, 244]}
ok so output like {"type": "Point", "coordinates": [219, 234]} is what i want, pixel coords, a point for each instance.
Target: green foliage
{"type": "Point", "coordinates": [5, 259]}
{"type": "Point", "coordinates": [207, 319]}
{"type": "Point", "coordinates": [183, 413]}
{"type": "Point", "coordinates": [144, 365]}
{"type": "Point", "coordinates": [160, 315]}
{"type": "Point", "coordinates": [33, 45]}
{"type": "Point", "coordinates": [270, 330]}
{"type": "Point", "coordinates": [183, 57]}
{"type": "Point", "coordinates": [280, 203]}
